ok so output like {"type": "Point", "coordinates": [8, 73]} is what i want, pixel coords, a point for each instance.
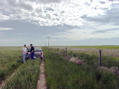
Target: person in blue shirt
{"type": "Point", "coordinates": [32, 50]}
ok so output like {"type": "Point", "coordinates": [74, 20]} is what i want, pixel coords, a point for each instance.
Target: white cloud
{"type": "Point", "coordinates": [88, 19]}
{"type": "Point", "coordinates": [3, 17]}
{"type": "Point", "coordinates": [108, 26]}
{"type": "Point", "coordinates": [91, 31]}
{"type": "Point", "coordinates": [5, 29]}
{"type": "Point", "coordinates": [64, 12]}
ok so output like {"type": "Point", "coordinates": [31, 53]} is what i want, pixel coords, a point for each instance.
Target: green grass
{"type": "Point", "coordinates": [10, 59]}
{"type": "Point", "coordinates": [25, 77]}
{"type": "Point", "coordinates": [98, 47]}
{"type": "Point", "coordinates": [92, 60]}
{"type": "Point", "coordinates": [62, 74]}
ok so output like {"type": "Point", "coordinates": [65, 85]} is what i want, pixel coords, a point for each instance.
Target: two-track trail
{"type": "Point", "coordinates": [41, 83]}
{"type": "Point", "coordinates": [2, 84]}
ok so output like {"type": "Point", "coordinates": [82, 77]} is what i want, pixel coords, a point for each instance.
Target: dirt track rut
{"type": "Point", "coordinates": [41, 83]}
{"type": "Point", "coordinates": [5, 81]}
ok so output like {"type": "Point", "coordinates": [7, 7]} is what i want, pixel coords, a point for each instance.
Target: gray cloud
{"type": "Point", "coordinates": [47, 1]}
{"type": "Point", "coordinates": [106, 30]}
{"type": "Point", "coordinates": [25, 6]}
{"type": "Point", "coordinates": [28, 32]}
{"type": "Point", "coordinates": [112, 41]}
{"type": "Point", "coordinates": [12, 7]}
{"type": "Point", "coordinates": [23, 19]}
{"type": "Point", "coordinates": [26, 29]}
{"type": "Point", "coordinates": [19, 4]}
{"type": "Point", "coordinates": [20, 10]}
{"type": "Point", "coordinates": [15, 9]}
{"type": "Point", "coordinates": [111, 16]}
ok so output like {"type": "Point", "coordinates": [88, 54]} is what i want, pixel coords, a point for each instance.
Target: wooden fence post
{"type": "Point", "coordinates": [100, 57]}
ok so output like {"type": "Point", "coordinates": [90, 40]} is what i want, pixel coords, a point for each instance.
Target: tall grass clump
{"type": "Point", "coordinates": [25, 77]}
{"type": "Point", "coordinates": [62, 74]}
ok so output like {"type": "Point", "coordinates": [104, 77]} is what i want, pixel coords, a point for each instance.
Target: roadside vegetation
{"type": "Point", "coordinates": [26, 76]}
{"type": "Point", "coordinates": [62, 74]}
{"type": "Point", "coordinates": [93, 60]}
{"type": "Point", "coordinates": [112, 51]}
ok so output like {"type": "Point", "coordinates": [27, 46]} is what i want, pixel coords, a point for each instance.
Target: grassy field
{"type": "Point", "coordinates": [98, 47]}
{"type": "Point", "coordinates": [25, 75]}
{"type": "Point", "coordinates": [94, 50]}
{"type": "Point", "coordinates": [62, 74]}
{"type": "Point", "coordinates": [10, 59]}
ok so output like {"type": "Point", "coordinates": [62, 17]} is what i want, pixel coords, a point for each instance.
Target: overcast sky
{"type": "Point", "coordinates": [65, 22]}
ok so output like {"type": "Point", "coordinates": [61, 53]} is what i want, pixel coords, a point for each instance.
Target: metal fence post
{"type": "Point", "coordinates": [100, 57]}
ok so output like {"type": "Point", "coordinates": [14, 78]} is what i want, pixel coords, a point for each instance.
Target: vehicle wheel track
{"type": "Point", "coordinates": [2, 84]}
{"type": "Point", "coordinates": [41, 83]}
